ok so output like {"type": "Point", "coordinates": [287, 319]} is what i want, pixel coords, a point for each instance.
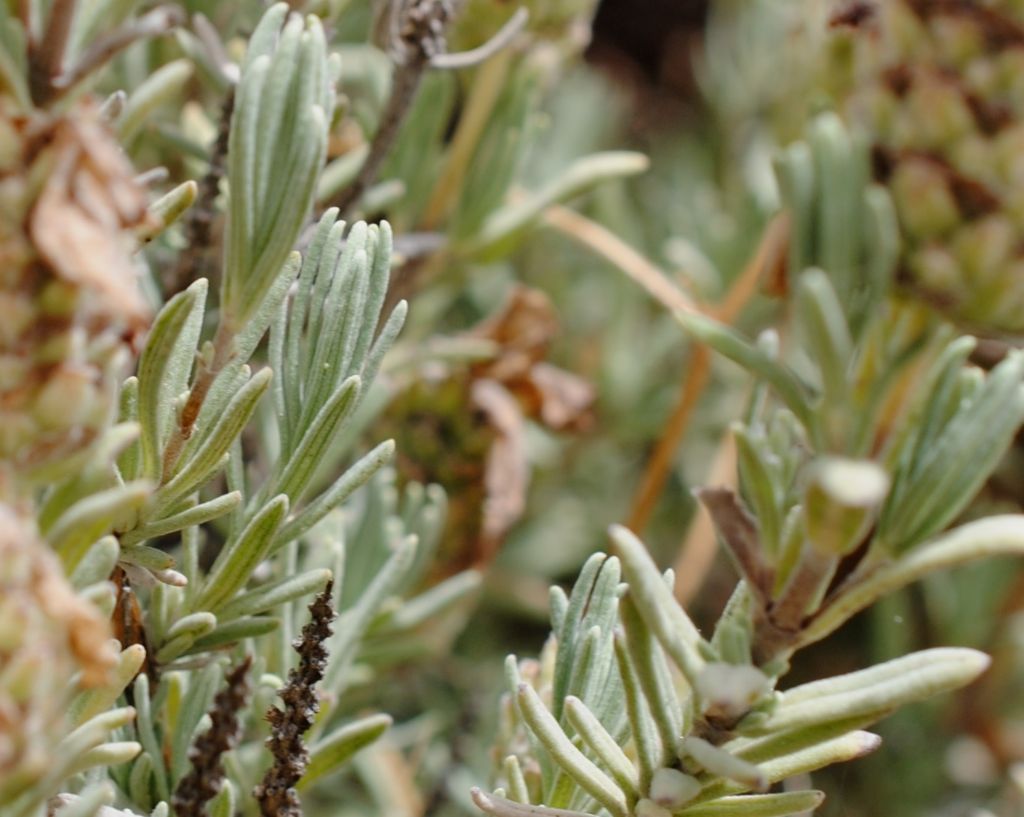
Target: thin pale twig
{"type": "Point", "coordinates": [152, 24]}
{"type": "Point", "coordinates": [417, 35]}
{"type": "Point", "coordinates": [418, 44]}
{"type": "Point", "coordinates": [605, 243]}
{"type": "Point", "coordinates": [467, 59]}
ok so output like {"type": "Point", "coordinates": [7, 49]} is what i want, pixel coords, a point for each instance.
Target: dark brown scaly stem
{"type": "Point", "coordinates": [206, 776]}
{"type": "Point", "coordinates": [195, 260]}
{"type": "Point", "coordinates": [276, 794]}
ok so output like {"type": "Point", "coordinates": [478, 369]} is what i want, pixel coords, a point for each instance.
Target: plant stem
{"type": "Point", "coordinates": [198, 227]}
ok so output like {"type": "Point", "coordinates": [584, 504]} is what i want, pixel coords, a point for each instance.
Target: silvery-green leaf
{"type": "Point", "coordinates": [880, 689]}
{"type": "Point", "coordinates": [199, 463]}
{"type": "Point", "coordinates": [97, 563]}
{"type": "Point", "coordinates": [726, 341]}
{"type": "Point", "coordinates": [827, 337]}
{"type": "Point", "coordinates": [92, 702]}
{"type": "Point", "coordinates": [197, 515]}
{"type": "Point", "coordinates": [106, 754]}
{"type": "Point", "coordinates": [239, 557]}
{"type": "Point", "coordinates": [90, 518]}
{"type": "Point", "coordinates": [232, 632]}
{"type": "Point", "coordinates": [666, 619]}
{"type": "Point", "coordinates": [333, 751]}
{"type": "Point", "coordinates": [605, 748]}
{"type": "Point", "coordinates": [580, 176]}
{"type": "Point", "coordinates": [571, 760]}
{"type": "Point", "coordinates": [846, 747]}
{"type": "Point", "coordinates": [168, 209]}
{"type": "Point", "coordinates": [498, 806]}
{"type": "Point", "coordinates": [161, 86]}
{"type": "Point", "coordinates": [355, 476]}
{"type": "Point", "coordinates": [272, 594]}
{"type": "Point", "coordinates": [758, 805]}
{"type": "Point", "coordinates": [196, 700]}
{"type": "Point", "coordinates": [993, 536]}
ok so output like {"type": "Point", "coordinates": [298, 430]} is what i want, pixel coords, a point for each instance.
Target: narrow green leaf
{"type": "Point", "coordinates": [498, 806]}
{"type": "Point", "coordinates": [353, 622]}
{"type": "Point", "coordinates": [107, 754]}
{"type": "Point", "coordinates": [97, 563]}
{"type": "Point", "coordinates": [268, 596]}
{"type": "Point", "coordinates": [195, 701]}
{"type": "Point", "coordinates": [250, 335]}
{"type": "Point", "coordinates": [158, 88]}
{"type": "Point", "coordinates": [589, 777]}
{"type": "Point", "coordinates": [661, 612]}
{"type": "Point", "coordinates": [331, 753]}
{"type": "Point", "coordinates": [92, 702]}
{"type": "Point", "coordinates": [151, 558]}
{"type": "Point", "coordinates": [796, 175]}
{"type": "Point", "coordinates": [94, 731]}
{"type": "Point", "coordinates": [603, 745]}
{"type": "Point", "coordinates": [129, 463]}
{"type": "Point", "coordinates": [569, 634]}
{"type": "Point", "coordinates": [726, 341]}
{"type": "Point", "coordinates": [849, 746]}
{"type": "Point", "coordinates": [654, 678]}
{"type": "Point", "coordinates": [195, 624]}
{"type": "Point", "coordinates": [759, 486]}
{"type": "Point", "coordinates": [307, 455]}
{"type": "Point", "coordinates": [758, 805]}
{"type": "Point", "coordinates": [92, 517]}
{"type": "Point", "coordinates": [823, 322]}
{"type": "Point", "coordinates": [239, 557]}
{"type": "Point", "coordinates": [645, 741]}
{"type": "Point", "coordinates": [354, 477]}
{"type": "Point", "coordinates": [234, 631]}
{"type": "Point", "coordinates": [198, 515]}
{"type": "Point", "coordinates": [168, 209]}
{"type": "Point", "coordinates": [879, 689]}
{"type": "Point", "coordinates": [842, 167]}
{"type": "Point", "coordinates": [993, 536]}
{"type": "Point", "coordinates": [721, 763]}
{"type": "Point", "coordinates": [580, 176]}
{"type": "Point", "coordinates": [516, 780]}
{"type": "Point", "coordinates": [432, 604]}
{"type": "Point", "coordinates": [198, 465]}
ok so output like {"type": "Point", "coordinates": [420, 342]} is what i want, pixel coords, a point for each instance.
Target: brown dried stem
{"type": "Point", "coordinates": [46, 57]}
{"type": "Point", "coordinates": [771, 248]}
{"type": "Point", "coordinates": [739, 532]}
{"type": "Point", "coordinates": [206, 374]}
{"type": "Point", "coordinates": [276, 794]}
{"type": "Point", "coordinates": [206, 776]}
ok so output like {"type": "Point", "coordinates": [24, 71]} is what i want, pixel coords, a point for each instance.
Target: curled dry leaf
{"type": "Point", "coordinates": [70, 304]}
{"type": "Point", "coordinates": [82, 222]}
{"type": "Point", "coordinates": [480, 456]}
{"type": "Point", "coordinates": [48, 634]}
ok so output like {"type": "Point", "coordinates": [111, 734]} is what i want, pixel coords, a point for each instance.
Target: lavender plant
{"type": "Point", "coordinates": [204, 561]}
